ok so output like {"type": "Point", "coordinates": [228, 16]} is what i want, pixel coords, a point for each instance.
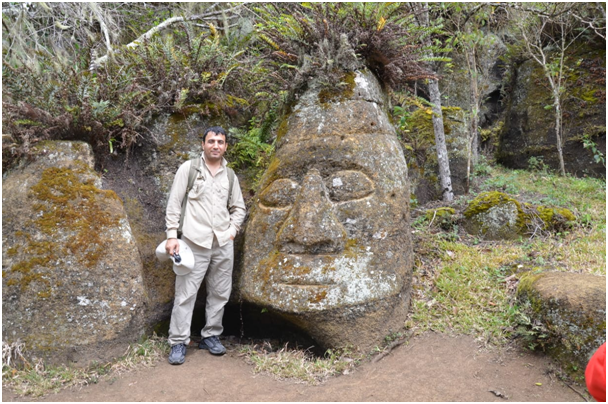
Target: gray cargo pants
{"type": "Point", "coordinates": [216, 263]}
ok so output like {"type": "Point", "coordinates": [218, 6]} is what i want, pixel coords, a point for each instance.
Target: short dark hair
{"type": "Point", "coordinates": [218, 131]}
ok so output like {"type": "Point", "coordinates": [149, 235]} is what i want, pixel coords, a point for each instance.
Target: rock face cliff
{"type": "Point", "coordinates": [143, 181]}
{"type": "Point", "coordinates": [529, 129]}
{"type": "Point", "coordinates": [328, 244]}
{"type": "Point", "coordinates": [71, 272]}
{"type": "Point", "coordinates": [456, 92]}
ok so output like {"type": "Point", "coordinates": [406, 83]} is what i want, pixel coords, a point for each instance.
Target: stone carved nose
{"type": "Point", "coordinates": [312, 227]}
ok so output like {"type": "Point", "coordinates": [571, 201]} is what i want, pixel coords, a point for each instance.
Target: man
{"type": "Point", "coordinates": [213, 216]}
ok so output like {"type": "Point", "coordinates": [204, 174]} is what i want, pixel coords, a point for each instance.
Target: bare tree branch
{"type": "Point", "coordinates": [518, 6]}
{"type": "Point", "coordinates": [102, 24]}
{"type": "Point", "coordinates": [165, 24]}
{"type": "Point", "coordinates": [600, 31]}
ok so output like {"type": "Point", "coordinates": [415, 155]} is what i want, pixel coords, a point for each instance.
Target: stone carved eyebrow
{"type": "Point", "coordinates": [281, 193]}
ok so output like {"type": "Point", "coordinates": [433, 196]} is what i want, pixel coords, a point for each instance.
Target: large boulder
{"type": "Point", "coordinates": [72, 286]}
{"type": "Point", "coordinates": [572, 307]}
{"type": "Point", "coordinates": [497, 216]}
{"type": "Point", "coordinates": [328, 245]}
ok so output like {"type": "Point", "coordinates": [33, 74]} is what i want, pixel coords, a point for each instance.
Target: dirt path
{"type": "Point", "coordinates": [431, 367]}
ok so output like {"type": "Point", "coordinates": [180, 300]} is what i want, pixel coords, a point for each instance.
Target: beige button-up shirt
{"type": "Point", "coordinates": [207, 211]}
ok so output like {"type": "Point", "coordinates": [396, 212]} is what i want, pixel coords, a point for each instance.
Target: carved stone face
{"type": "Point", "coordinates": [329, 228]}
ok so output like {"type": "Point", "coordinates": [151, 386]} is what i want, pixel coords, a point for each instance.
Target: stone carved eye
{"type": "Point", "coordinates": [348, 185]}
{"type": "Point", "coordinates": [280, 194]}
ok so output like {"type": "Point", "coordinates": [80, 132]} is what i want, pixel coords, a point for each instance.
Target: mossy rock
{"type": "Point", "coordinates": [443, 217]}
{"type": "Point", "coordinates": [419, 148]}
{"type": "Point", "coordinates": [555, 219]}
{"type": "Point", "coordinates": [572, 307]}
{"type": "Point", "coordinates": [72, 287]}
{"type": "Point", "coordinates": [439, 213]}
{"type": "Point", "coordinates": [529, 129]}
{"type": "Point", "coordinates": [495, 216]}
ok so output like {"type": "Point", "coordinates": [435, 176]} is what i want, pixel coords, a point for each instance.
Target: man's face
{"type": "Point", "coordinates": [214, 146]}
{"type": "Point", "coordinates": [327, 229]}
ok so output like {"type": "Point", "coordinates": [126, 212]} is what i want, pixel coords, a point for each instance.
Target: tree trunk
{"type": "Point", "coordinates": [558, 122]}
{"type": "Point", "coordinates": [442, 151]}
{"type": "Point", "coordinates": [472, 142]}
{"type": "Point", "coordinates": [445, 179]}
{"type": "Point", "coordinates": [475, 106]}
{"type": "Point", "coordinates": [558, 135]}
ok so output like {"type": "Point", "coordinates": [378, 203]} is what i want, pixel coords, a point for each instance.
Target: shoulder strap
{"type": "Point", "coordinates": [230, 184]}
{"type": "Point", "coordinates": [194, 164]}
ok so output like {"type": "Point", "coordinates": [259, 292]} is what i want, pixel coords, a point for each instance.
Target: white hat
{"type": "Point", "coordinates": [185, 265]}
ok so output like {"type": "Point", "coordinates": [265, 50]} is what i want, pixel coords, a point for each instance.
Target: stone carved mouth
{"type": "Point", "coordinates": [306, 282]}
{"type": "Point", "coordinates": [302, 270]}
{"type": "Point", "coordinates": [307, 285]}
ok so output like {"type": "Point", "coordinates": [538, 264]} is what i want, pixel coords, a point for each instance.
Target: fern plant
{"type": "Point", "coordinates": [186, 70]}
{"type": "Point", "coordinates": [321, 41]}
{"type": "Point", "coordinates": [250, 149]}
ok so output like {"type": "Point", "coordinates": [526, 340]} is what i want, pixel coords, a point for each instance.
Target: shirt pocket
{"type": "Point", "coordinates": [222, 189]}
{"type": "Point", "coordinates": [198, 188]}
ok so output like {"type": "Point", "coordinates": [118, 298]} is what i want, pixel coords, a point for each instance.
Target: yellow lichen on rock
{"type": "Point", "coordinates": [72, 277]}
{"type": "Point", "coordinates": [495, 215]}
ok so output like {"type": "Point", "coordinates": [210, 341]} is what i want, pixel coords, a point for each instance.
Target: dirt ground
{"type": "Point", "coordinates": [431, 367]}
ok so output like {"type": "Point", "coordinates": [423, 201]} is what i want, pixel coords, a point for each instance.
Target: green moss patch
{"type": "Point", "coordinates": [439, 213]}
{"type": "Point", "coordinates": [555, 218]}
{"type": "Point", "coordinates": [443, 217]}
{"type": "Point", "coordinates": [71, 217]}
{"type": "Point", "coordinates": [341, 92]}
{"type": "Point", "coordinates": [529, 219]}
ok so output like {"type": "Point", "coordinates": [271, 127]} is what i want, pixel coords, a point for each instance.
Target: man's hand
{"type": "Point", "coordinates": [172, 246]}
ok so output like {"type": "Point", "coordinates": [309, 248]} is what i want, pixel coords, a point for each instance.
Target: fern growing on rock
{"type": "Point", "coordinates": [320, 41]}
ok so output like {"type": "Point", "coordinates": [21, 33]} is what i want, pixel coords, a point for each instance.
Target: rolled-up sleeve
{"type": "Point", "coordinates": [176, 196]}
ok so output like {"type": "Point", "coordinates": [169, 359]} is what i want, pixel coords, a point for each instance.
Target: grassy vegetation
{"type": "Point", "coordinates": [466, 285]}
{"type": "Point", "coordinates": [37, 379]}
{"type": "Point", "coordinates": [300, 365]}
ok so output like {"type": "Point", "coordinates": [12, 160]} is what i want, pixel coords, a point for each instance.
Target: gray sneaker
{"type": "Point", "coordinates": [213, 344]}
{"type": "Point", "coordinates": [178, 354]}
